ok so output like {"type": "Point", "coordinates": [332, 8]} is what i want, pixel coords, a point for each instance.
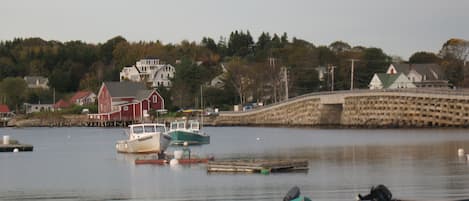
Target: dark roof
{"type": "Point", "coordinates": [431, 71]}
{"type": "Point", "coordinates": [124, 89]}
{"type": "Point", "coordinates": [142, 94]}
{"type": "Point", "coordinates": [387, 79]}
{"type": "Point", "coordinates": [79, 95]}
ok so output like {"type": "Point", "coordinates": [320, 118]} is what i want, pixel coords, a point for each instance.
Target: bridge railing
{"type": "Point", "coordinates": [438, 91]}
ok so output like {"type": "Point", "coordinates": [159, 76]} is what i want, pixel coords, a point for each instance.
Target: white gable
{"type": "Point", "coordinates": [414, 76]}
{"type": "Point", "coordinates": [375, 82]}
{"type": "Point", "coordinates": [130, 73]}
{"type": "Point", "coordinates": [401, 82]}
{"type": "Point", "coordinates": [391, 70]}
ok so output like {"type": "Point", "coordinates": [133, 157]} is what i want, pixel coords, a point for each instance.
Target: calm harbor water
{"type": "Point", "coordinates": [82, 164]}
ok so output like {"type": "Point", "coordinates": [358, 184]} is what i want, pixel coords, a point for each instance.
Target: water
{"type": "Point", "coordinates": [82, 164]}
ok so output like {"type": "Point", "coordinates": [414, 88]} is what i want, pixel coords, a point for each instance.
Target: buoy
{"type": "Point", "coordinates": [265, 171]}
{"type": "Point", "coordinates": [461, 152]}
{"type": "Point", "coordinates": [173, 162]}
{"type": "Point", "coordinates": [16, 150]}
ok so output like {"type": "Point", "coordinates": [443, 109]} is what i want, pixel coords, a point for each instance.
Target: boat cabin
{"type": "Point", "coordinates": [191, 125]}
{"type": "Point", "coordinates": [140, 130]}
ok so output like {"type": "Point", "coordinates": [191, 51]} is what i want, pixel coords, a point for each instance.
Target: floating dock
{"type": "Point", "coordinates": [258, 166]}
{"type": "Point", "coordinates": [10, 145]}
{"type": "Point", "coordinates": [166, 161]}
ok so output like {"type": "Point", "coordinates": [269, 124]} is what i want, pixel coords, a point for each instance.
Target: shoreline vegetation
{"type": "Point", "coordinates": [239, 69]}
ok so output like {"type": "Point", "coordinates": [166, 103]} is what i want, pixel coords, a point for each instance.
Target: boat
{"type": "Point", "coordinates": [189, 131]}
{"type": "Point", "coordinates": [145, 138]}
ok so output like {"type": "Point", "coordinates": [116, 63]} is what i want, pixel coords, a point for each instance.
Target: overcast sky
{"type": "Point", "coordinates": [399, 27]}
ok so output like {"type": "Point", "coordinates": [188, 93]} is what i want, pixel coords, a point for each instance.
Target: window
{"type": "Point", "coordinates": [174, 125]}
{"type": "Point", "coordinates": [125, 108]}
{"type": "Point", "coordinates": [181, 125]}
{"type": "Point", "coordinates": [138, 129]}
{"type": "Point", "coordinates": [149, 129]}
{"type": "Point", "coordinates": [155, 98]}
{"type": "Point", "coordinates": [160, 129]}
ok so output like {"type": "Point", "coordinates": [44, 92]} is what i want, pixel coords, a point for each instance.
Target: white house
{"type": "Point", "coordinates": [37, 82]}
{"type": "Point", "coordinates": [219, 80]}
{"type": "Point", "coordinates": [390, 81]}
{"type": "Point", "coordinates": [30, 108]}
{"type": "Point", "coordinates": [83, 98]}
{"type": "Point", "coordinates": [149, 70]}
{"type": "Point", "coordinates": [422, 75]}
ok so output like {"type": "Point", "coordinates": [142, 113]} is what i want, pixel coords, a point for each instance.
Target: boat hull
{"type": "Point", "coordinates": [154, 143]}
{"type": "Point", "coordinates": [179, 137]}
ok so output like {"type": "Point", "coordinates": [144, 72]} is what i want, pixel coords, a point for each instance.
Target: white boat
{"type": "Point", "coordinates": [145, 138]}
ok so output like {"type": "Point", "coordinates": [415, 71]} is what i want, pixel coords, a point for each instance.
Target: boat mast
{"type": "Point", "coordinates": [202, 107]}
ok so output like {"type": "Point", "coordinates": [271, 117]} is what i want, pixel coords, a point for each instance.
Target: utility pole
{"type": "Point", "coordinates": [286, 82]}
{"type": "Point", "coordinates": [332, 72]}
{"type": "Point", "coordinates": [351, 73]}
{"type": "Point", "coordinates": [272, 62]}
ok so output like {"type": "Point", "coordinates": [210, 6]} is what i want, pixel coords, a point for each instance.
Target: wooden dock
{"type": "Point", "coordinates": [258, 166]}
{"type": "Point", "coordinates": [12, 147]}
{"type": "Point", "coordinates": [13, 144]}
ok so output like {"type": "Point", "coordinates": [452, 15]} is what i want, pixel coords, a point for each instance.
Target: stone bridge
{"type": "Point", "coordinates": [360, 108]}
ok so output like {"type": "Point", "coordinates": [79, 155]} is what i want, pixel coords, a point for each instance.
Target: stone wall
{"type": "Point", "coordinates": [304, 112]}
{"type": "Point", "coordinates": [368, 109]}
{"type": "Point", "coordinates": [396, 110]}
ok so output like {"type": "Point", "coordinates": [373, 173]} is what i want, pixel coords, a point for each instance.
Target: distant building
{"type": "Point", "coordinates": [4, 109]}
{"type": "Point", "coordinates": [400, 75]}
{"type": "Point", "coordinates": [127, 101]}
{"type": "Point", "coordinates": [30, 108]}
{"type": "Point", "coordinates": [390, 81]}
{"type": "Point", "coordinates": [37, 82]}
{"type": "Point", "coordinates": [83, 98]}
{"type": "Point", "coordinates": [5, 113]}
{"type": "Point", "coordinates": [61, 104]}
{"type": "Point", "coordinates": [219, 80]}
{"type": "Point", "coordinates": [421, 75]}
{"type": "Point", "coordinates": [150, 71]}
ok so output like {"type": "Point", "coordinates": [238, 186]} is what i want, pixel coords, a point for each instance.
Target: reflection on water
{"type": "Point", "coordinates": [82, 164]}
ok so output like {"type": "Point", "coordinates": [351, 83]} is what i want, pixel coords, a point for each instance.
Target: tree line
{"type": "Point", "coordinates": [253, 70]}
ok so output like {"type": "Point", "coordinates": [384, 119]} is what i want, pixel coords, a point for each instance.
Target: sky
{"type": "Point", "coordinates": [399, 27]}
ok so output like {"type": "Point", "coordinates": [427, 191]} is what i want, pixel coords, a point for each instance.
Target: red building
{"type": "Point", "coordinates": [4, 109]}
{"type": "Point", "coordinates": [126, 101]}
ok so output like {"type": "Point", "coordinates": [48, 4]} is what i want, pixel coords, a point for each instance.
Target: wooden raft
{"type": "Point", "coordinates": [258, 166]}
{"type": "Point", "coordinates": [12, 147]}
{"type": "Point", "coordinates": [14, 144]}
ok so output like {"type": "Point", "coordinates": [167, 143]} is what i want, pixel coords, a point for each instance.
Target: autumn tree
{"type": "Point", "coordinates": [238, 74]}
{"type": "Point", "coordinates": [424, 57]}
{"type": "Point", "coordinates": [13, 89]}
